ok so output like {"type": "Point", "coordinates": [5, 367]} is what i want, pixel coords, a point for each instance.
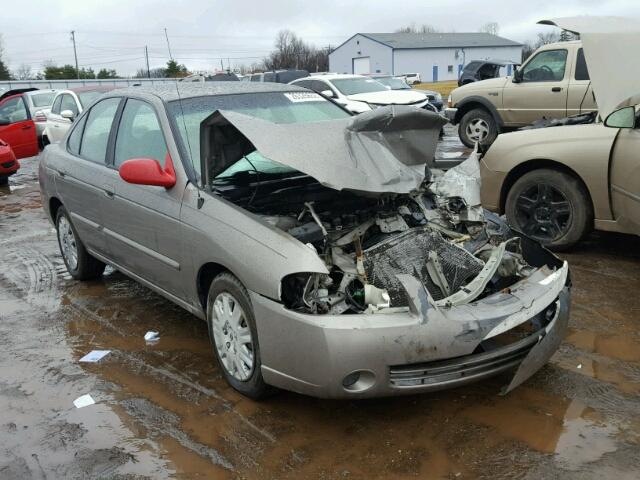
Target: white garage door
{"type": "Point", "coordinates": [362, 65]}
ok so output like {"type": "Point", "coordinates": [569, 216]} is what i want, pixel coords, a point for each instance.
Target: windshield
{"type": "Point", "coordinates": [42, 99]}
{"type": "Point", "coordinates": [352, 86]}
{"type": "Point", "coordinates": [87, 98]}
{"type": "Point", "coordinates": [394, 83]}
{"type": "Point", "coordinates": [290, 107]}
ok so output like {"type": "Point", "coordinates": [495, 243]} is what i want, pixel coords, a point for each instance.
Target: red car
{"type": "Point", "coordinates": [17, 128]}
{"type": "Point", "coordinates": [8, 163]}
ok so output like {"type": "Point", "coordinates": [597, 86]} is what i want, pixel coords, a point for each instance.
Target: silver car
{"type": "Point", "coordinates": [325, 255]}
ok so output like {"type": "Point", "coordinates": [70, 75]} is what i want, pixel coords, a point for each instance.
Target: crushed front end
{"type": "Point", "coordinates": [423, 290]}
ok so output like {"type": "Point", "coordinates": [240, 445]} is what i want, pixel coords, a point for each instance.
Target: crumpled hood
{"type": "Point", "coordinates": [389, 97]}
{"type": "Point", "coordinates": [380, 151]}
{"type": "Point", "coordinates": [610, 47]}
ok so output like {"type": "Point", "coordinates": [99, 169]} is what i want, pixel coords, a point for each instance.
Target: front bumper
{"type": "Point", "coordinates": [424, 349]}
{"type": "Point", "coordinates": [450, 113]}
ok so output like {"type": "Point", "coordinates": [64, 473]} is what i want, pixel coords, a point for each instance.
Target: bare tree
{"type": "Point", "coordinates": [413, 28]}
{"type": "Point", "coordinates": [293, 52]}
{"type": "Point", "coordinates": [543, 39]}
{"type": "Point", "coordinates": [490, 27]}
{"type": "Point", "coordinates": [23, 72]}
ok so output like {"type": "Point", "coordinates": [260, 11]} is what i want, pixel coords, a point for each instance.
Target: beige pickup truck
{"type": "Point", "coordinates": [552, 83]}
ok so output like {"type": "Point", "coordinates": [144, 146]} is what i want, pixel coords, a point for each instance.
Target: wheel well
{"type": "Point", "coordinates": [205, 276]}
{"type": "Point", "coordinates": [467, 107]}
{"type": "Point", "coordinates": [536, 164]}
{"type": "Point", "coordinates": [54, 205]}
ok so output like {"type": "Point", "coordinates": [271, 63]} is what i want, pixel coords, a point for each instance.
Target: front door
{"type": "Point", "coordinates": [142, 223]}
{"type": "Point", "coordinates": [435, 73]}
{"type": "Point", "coordinates": [17, 128]}
{"type": "Point", "coordinates": [542, 91]}
{"type": "Point", "coordinates": [625, 179]}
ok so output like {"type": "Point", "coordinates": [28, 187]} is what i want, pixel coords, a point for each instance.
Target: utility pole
{"type": "Point", "coordinates": [146, 56]}
{"type": "Point", "coordinates": [168, 45]}
{"type": "Point", "coordinates": [75, 53]}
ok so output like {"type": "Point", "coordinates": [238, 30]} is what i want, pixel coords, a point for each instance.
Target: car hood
{"type": "Point", "coordinates": [390, 97]}
{"type": "Point", "coordinates": [482, 85]}
{"type": "Point", "coordinates": [381, 151]}
{"type": "Point", "coordinates": [608, 43]}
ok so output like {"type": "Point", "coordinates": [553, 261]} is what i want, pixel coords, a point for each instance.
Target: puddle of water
{"type": "Point", "coordinates": [610, 345]}
{"type": "Point", "coordinates": [575, 433]}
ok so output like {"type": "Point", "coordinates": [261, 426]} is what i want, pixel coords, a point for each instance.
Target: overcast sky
{"type": "Point", "coordinates": [113, 33]}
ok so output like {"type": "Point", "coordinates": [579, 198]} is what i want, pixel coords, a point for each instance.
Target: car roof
{"type": "Point", "coordinates": [96, 88]}
{"type": "Point", "coordinates": [334, 76]}
{"type": "Point", "coordinates": [176, 91]}
{"type": "Point", "coordinates": [36, 92]}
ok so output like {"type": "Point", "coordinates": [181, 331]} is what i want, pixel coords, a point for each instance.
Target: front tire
{"type": "Point", "coordinates": [234, 337]}
{"type": "Point", "coordinates": [550, 206]}
{"type": "Point", "coordinates": [80, 264]}
{"type": "Point", "coordinates": [477, 125]}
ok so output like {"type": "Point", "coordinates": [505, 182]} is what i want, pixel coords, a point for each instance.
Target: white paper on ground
{"type": "Point", "coordinates": [95, 355]}
{"type": "Point", "coordinates": [83, 401]}
{"type": "Point", "coordinates": [152, 336]}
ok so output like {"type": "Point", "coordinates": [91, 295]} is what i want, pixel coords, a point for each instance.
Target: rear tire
{"type": "Point", "coordinates": [477, 125]}
{"type": "Point", "coordinates": [551, 207]}
{"type": "Point", "coordinates": [80, 264]}
{"type": "Point", "coordinates": [234, 337]}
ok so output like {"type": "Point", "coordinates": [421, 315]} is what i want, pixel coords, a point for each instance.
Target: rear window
{"type": "Point", "coordinates": [582, 73]}
{"type": "Point", "coordinates": [42, 99]}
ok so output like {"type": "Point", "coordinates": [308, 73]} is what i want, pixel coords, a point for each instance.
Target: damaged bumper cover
{"type": "Point", "coordinates": [429, 347]}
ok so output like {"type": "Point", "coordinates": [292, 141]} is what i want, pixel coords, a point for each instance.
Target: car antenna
{"type": "Point", "coordinates": [200, 200]}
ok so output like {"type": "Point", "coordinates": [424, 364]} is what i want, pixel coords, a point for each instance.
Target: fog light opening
{"type": "Point", "coordinates": [359, 381]}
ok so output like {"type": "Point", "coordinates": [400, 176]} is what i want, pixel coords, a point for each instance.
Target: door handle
{"type": "Point", "coordinates": [556, 89]}
{"type": "Point", "coordinates": [108, 191]}
{"type": "Point", "coordinates": [61, 174]}
{"type": "Point", "coordinates": [26, 127]}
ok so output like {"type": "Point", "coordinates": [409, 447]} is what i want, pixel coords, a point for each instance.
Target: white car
{"type": "Point", "coordinates": [67, 105]}
{"type": "Point", "coordinates": [358, 93]}
{"type": "Point", "coordinates": [411, 78]}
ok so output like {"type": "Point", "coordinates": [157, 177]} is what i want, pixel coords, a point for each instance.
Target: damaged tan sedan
{"type": "Point", "coordinates": [325, 255]}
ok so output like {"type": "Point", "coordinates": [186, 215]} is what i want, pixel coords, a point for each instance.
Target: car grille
{"type": "Point", "coordinates": [469, 367]}
{"type": "Point", "coordinates": [8, 164]}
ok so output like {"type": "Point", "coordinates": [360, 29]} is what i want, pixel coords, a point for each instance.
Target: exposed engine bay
{"type": "Point", "coordinates": [439, 234]}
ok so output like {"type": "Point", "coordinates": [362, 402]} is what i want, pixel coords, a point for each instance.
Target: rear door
{"type": "Point", "coordinates": [17, 128]}
{"type": "Point", "coordinates": [142, 224]}
{"type": "Point", "coordinates": [580, 96]}
{"type": "Point", "coordinates": [542, 91]}
{"type": "Point", "coordinates": [83, 173]}
{"type": "Point", "coordinates": [625, 179]}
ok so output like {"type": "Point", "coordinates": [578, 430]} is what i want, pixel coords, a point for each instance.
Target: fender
{"type": "Point", "coordinates": [482, 101]}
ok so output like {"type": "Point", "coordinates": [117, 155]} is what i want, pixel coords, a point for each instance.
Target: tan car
{"type": "Point", "coordinates": [556, 183]}
{"type": "Point", "coordinates": [552, 83]}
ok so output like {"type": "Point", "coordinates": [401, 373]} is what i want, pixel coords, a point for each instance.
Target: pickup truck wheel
{"type": "Point", "coordinates": [551, 207]}
{"type": "Point", "coordinates": [80, 264]}
{"type": "Point", "coordinates": [477, 125]}
{"type": "Point", "coordinates": [234, 337]}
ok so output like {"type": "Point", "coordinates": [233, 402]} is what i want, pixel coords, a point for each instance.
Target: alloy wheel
{"type": "Point", "coordinates": [543, 212]}
{"type": "Point", "coordinates": [232, 337]}
{"type": "Point", "coordinates": [477, 130]}
{"type": "Point", "coordinates": [68, 243]}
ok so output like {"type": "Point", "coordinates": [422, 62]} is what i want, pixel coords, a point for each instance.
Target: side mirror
{"type": "Point", "coordinates": [622, 118]}
{"type": "Point", "coordinates": [517, 76]}
{"type": "Point", "coordinates": [68, 114]}
{"type": "Point", "coordinates": [328, 93]}
{"type": "Point", "coordinates": [4, 121]}
{"type": "Point", "coordinates": [147, 171]}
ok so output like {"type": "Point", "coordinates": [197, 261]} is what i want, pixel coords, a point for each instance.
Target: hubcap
{"type": "Point", "coordinates": [477, 130]}
{"type": "Point", "coordinates": [232, 337]}
{"type": "Point", "coordinates": [68, 244]}
{"type": "Point", "coordinates": [543, 212]}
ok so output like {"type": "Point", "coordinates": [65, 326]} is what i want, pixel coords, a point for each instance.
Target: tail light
{"type": "Point", "coordinates": [40, 116]}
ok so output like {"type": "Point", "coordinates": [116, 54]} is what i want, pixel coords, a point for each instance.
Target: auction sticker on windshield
{"type": "Point", "coordinates": [297, 97]}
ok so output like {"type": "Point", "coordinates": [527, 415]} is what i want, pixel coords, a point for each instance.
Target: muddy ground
{"type": "Point", "coordinates": [164, 410]}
